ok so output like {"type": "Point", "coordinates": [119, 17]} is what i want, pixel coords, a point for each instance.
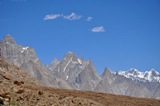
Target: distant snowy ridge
{"type": "Point", "coordinates": [134, 74]}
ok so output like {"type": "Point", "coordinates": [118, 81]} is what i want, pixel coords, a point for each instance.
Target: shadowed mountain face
{"type": "Point", "coordinates": [74, 73]}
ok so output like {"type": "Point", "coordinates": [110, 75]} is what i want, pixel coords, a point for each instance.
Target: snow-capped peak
{"type": "Point", "coordinates": [152, 75]}
{"type": "Point", "coordinates": [134, 74]}
{"type": "Point", "coordinates": [153, 72]}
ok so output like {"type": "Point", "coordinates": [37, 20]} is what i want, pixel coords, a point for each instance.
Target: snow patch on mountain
{"type": "Point", "coordinates": [67, 65]}
{"type": "Point", "coordinates": [134, 74]}
{"type": "Point", "coordinates": [79, 61]}
{"type": "Point", "coordinates": [23, 49]}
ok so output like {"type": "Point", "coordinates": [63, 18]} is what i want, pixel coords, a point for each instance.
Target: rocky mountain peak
{"type": "Point", "coordinates": [55, 61]}
{"type": "Point", "coordinates": [153, 72]}
{"type": "Point", "coordinates": [90, 62]}
{"type": "Point", "coordinates": [8, 39]}
{"type": "Point", "coordinates": [133, 70]}
{"type": "Point", "coordinates": [53, 64]}
{"type": "Point", "coordinates": [91, 67]}
{"type": "Point", "coordinates": [70, 55]}
{"type": "Point", "coordinates": [106, 72]}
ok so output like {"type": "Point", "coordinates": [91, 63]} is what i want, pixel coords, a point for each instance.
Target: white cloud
{"type": "Point", "coordinates": [72, 16]}
{"type": "Point", "coordinates": [52, 16]}
{"type": "Point", "coordinates": [89, 18]}
{"type": "Point", "coordinates": [98, 29]}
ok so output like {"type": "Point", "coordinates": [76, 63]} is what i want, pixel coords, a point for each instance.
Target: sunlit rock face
{"type": "Point", "coordinates": [76, 73]}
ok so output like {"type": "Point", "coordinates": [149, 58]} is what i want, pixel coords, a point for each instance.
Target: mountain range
{"type": "Point", "coordinates": [76, 73]}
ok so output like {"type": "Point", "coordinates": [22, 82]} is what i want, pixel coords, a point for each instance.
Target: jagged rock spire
{"type": "Point", "coordinates": [106, 72]}
{"type": "Point", "coordinates": [9, 38]}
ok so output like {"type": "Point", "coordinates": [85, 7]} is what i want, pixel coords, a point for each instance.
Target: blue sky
{"type": "Point", "coordinates": [119, 34]}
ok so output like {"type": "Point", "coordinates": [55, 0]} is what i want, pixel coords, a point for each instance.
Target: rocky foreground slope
{"type": "Point", "coordinates": [76, 73]}
{"type": "Point", "coordinates": [17, 88]}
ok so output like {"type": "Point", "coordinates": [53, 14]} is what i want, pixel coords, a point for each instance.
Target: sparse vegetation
{"type": "Point", "coordinates": [14, 103]}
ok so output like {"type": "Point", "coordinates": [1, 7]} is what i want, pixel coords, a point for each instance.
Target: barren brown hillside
{"type": "Point", "coordinates": [17, 88]}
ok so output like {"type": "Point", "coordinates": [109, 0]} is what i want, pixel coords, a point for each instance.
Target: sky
{"type": "Point", "coordinates": [118, 34]}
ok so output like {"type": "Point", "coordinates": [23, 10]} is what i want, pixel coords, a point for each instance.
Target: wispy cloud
{"type": "Point", "coordinates": [52, 16]}
{"type": "Point", "coordinates": [98, 29]}
{"type": "Point", "coordinates": [89, 18]}
{"type": "Point", "coordinates": [72, 16]}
